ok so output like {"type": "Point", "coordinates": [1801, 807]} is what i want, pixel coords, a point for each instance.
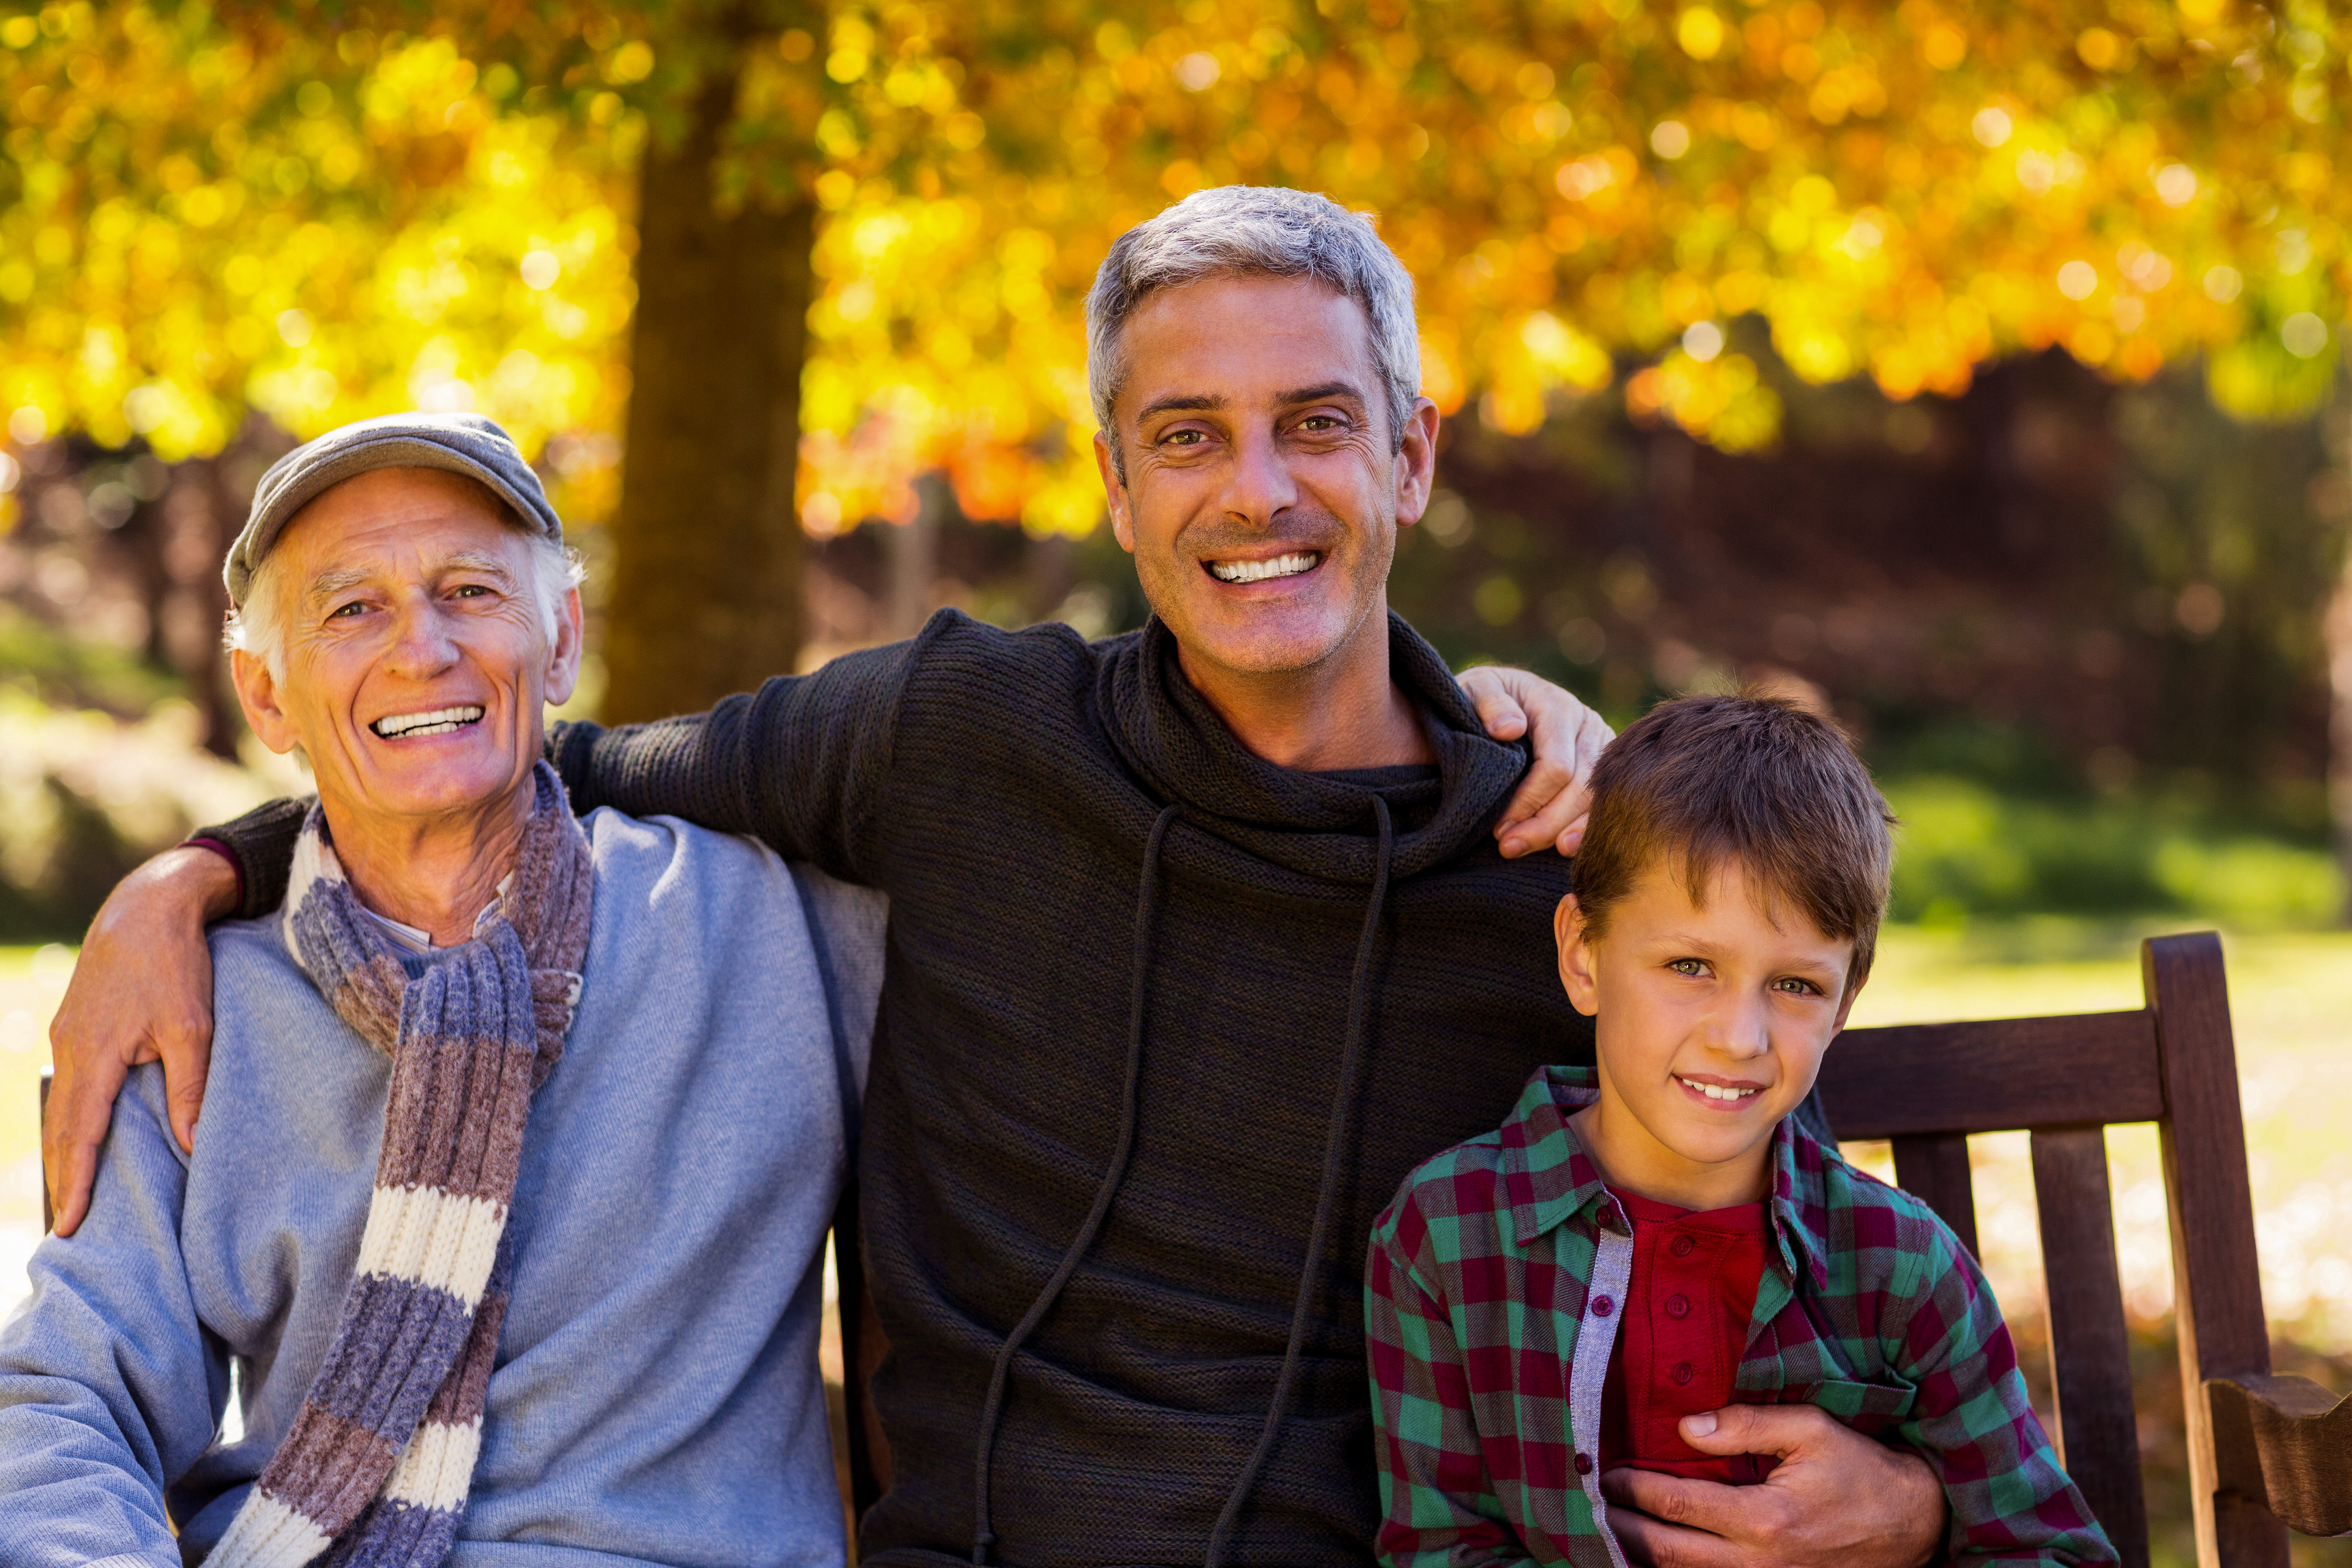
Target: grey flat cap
{"type": "Point", "coordinates": [466, 444]}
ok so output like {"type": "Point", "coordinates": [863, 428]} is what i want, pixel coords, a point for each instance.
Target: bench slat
{"type": "Point", "coordinates": [1934, 1168]}
{"type": "Point", "coordinates": [1993, 1077]}
{"type": "Point", "coordinates": [2090, 1352]}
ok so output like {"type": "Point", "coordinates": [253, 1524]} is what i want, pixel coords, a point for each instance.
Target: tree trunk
{"type": "Point", "coordinates": [706, 595]}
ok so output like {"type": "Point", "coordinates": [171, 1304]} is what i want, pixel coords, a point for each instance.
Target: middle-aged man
{"type": "Point", "coordinates": [476, 1211]}
{"type": "Point", "coordinates": [1199, 939]}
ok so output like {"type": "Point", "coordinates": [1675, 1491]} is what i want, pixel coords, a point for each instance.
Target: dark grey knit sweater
{"type": "Point", "coordinates": [1002, 788]}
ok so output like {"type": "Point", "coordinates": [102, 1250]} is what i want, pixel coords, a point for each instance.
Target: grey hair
{"type": "Point", "coordinates": [1262, 230]}
{"type": "Point", "coordinates": [258, 628]}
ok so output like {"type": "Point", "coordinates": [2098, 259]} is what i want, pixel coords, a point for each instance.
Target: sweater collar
{"type": "Point", "coordinates": [1548, 1176]}
{"type": "Point", "coordinates": [1166, 733]}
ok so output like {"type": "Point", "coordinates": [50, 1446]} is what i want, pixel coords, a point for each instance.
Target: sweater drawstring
{"type": "Point", "coordinates": [1335, 1161]}
{"type": "Point", "coordinates": [1147, 899]}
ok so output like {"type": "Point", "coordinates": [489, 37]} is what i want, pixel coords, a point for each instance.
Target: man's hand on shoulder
{"type": "Point", "coordinates": [1549, 807]}
{"type": "Point", "coordinates": [1836, 1499]}
{"type": "Point", "coordinates": [142, 992]}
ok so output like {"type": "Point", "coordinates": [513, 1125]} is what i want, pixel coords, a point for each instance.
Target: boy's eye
{"type": "Point", "coordinates": [1693, 967]}
{"type": "Point", "coordinates": [1796, 987]}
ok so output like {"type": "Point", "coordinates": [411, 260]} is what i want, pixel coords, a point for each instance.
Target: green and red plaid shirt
{"type": "Point", "coordinates": [1505, 1257]}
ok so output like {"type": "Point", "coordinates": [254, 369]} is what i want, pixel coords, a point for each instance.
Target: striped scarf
{"type": "Point", "coordinates": [376, 1467]}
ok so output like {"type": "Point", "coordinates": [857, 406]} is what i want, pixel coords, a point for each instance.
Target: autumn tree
{"type": "Point", "coordinates": [855, 239]}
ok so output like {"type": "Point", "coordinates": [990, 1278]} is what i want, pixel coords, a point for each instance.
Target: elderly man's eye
{"type": "Point", "coordinates": [345, 611]}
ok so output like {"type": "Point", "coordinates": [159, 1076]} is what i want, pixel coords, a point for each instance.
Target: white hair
{"type": "Point", "coordinates": [258, 627]}
{"type": "Point", "coordinates": [1266, 231]}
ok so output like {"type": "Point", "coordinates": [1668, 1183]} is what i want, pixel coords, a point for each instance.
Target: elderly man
{"type": "Point", "coordinates": [480, 1216]}
{"type": "Point", "coordinates": [1199, 938]}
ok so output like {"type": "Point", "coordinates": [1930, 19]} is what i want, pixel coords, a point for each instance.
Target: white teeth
{"type": "Point", "coordinates": [1289, 565]}
{"type": "Point", "coordinates": [1717, 1092]}
{"type": "Point", "coordinates": [440, 721]}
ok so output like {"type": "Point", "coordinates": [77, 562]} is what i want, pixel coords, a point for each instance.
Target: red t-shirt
{"type": "Point", "coordinates": [1680, 1337]}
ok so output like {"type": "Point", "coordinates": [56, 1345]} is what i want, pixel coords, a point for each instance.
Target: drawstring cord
{"type": "Point", "coordinates": [1147, 899]}
{"type": "Point", "coordinates": [1334, 1162]}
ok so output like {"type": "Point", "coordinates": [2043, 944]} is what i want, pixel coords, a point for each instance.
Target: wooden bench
{"type": "Point", "coordinates": [2266, 1453]}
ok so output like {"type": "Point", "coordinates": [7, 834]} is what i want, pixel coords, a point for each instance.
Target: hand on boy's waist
{"type": "Point", "coordinates": [1728, 1469]}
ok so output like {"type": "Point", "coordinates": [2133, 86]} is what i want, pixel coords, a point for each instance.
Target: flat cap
{"type": "Point", "coordinates": [467, 444]}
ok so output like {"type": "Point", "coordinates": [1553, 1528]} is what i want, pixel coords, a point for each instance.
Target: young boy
{"type": "Point", "coordinates": [1656, 1237]}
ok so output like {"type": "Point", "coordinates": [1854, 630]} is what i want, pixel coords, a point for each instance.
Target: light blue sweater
{"type": "Point", "coordinates": [656, 1398]}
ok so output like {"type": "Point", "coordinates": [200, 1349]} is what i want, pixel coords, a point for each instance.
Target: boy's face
{"type": "Point", "coordinates": [1711, 1019]}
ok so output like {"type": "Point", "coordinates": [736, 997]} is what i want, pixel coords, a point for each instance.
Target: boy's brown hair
{"type": "Point", "coordinates": [1752, 779]}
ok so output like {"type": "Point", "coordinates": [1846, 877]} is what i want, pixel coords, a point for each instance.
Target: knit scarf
{"type": "Point", "coordinates": [377, 1465]}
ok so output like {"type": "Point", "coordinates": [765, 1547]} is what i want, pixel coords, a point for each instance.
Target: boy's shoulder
{"type": "Point", "coordinates": [1874, 1234]}
{"type": "Point", "coordinates": [1462, 1184]}
{"type": "Point", "coordinates": [1461, 1200]}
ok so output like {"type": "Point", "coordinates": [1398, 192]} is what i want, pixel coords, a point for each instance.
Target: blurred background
{"type": "Point", "coordinates": [1973, 369]}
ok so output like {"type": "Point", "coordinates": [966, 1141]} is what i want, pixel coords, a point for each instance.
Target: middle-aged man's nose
{"type": "Point", "coordinates": [1259, 487]}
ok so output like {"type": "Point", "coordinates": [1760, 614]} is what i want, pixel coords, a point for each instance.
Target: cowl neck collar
{"type": "Point", "coordinates": [1315, 824]}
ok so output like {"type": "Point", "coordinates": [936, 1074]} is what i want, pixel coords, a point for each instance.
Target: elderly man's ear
{"type": "Point", "coordinates": [563, 659]}
{"type": "Point", "coordinates": [257, 693]}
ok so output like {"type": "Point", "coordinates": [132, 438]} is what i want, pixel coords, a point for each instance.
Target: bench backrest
{"type": "Point", "coordinates": [2064, 1079]}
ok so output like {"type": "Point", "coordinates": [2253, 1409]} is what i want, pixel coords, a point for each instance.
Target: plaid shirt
{"type": "Point", "coordinates": [1503, 1257]}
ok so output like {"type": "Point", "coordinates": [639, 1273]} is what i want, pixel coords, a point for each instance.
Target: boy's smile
{"type": "Point", "coordinates": [1711, 1018]}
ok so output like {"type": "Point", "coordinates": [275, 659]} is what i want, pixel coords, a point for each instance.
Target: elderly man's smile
{"type": "Point", "coordinates": [435, 721]}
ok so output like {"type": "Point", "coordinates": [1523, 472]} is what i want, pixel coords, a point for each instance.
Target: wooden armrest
{"type": "Point", "coordinates": [2288, 1441]}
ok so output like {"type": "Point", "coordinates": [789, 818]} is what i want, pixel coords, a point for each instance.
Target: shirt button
{"type": "Point", "coordinates": [1584, 1464]}
{"type": "Point", "coordinates": [1682, 1373]}
{"type": "Point", "coordinates": [1683, 1244]}
{"type": "Point", "coordinates": [1602, 1306]}
{"type": "Point", "coordinates": [1677, 1306]}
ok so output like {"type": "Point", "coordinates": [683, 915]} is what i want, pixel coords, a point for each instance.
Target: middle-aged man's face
{"type": "Point", "coordinates": [1263, 486]}
{"type": "Point", "coordinates": [415, 661]}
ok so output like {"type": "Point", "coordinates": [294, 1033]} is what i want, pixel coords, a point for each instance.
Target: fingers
{"type": "Point", "coordinates": [1781, 1430]}
{"type": "Point", "coordinates": [1526, 825]}
{"type": "Point", "coordinates": [183, 1087]}
{"type": "Point", "coordinates": [81, 1105]}
{"type": "Point", "coordinates": [1659, 1520]}
{"type": "Point", "coordinates": [1568, 804]}
{"type": "Point", "coordinates": [1548, 808]}
{"type": "Point", "coordinates": [1725, 1514]}
{"type": "Point", "coordinates": [1489, 691]}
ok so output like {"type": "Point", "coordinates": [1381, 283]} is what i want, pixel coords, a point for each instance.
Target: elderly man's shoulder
{"type": "Point", "coordinates": [722, 883]}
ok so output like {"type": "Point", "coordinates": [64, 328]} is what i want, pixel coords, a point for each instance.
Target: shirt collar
{"type": "Point", "coordinates": [1548, 1176]}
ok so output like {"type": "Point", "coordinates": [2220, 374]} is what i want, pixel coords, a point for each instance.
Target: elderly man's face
{"type": "Point", "coordinates": [416, 662]}
{"type": "Point", "coordinates": [1264, 486]}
